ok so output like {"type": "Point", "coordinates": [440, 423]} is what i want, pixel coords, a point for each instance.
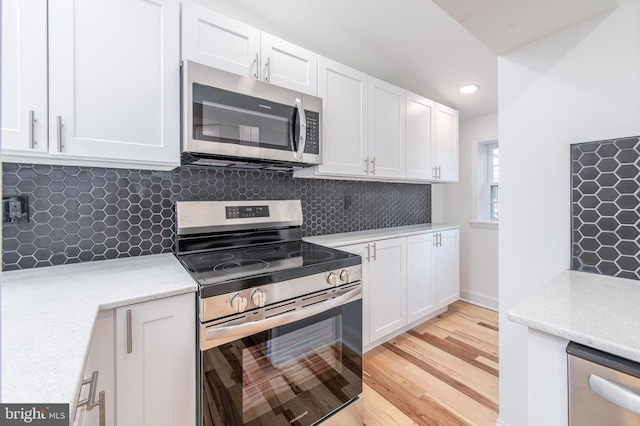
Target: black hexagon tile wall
{"type": "Point", "coordinates": [605, 236]}
{"type": "Point", "coordinates": [82, 214]}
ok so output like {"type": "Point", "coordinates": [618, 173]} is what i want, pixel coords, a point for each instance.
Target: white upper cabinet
{"type": "Point", "coordinates": [113, 79]}
{"type": "Point", "coordinates": [287, 65]}
{"type": "Point", "coordinates": [387, 107]}
{"type": "Point", "coordinates": [213, 39]}
{"type": "Point", "coordinates": [419, 137]}
{"type": "Point", "coordinates": [24, 76]}
{"type": "Point", "coordinates": [445, 151]}
{"type": "Point", "coordinates": [344, 116]}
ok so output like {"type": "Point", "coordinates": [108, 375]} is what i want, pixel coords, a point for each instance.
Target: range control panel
{"type": "Point", "coordinates": [242, 212]}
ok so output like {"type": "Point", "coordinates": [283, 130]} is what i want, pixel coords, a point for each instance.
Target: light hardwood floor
{"type": "Point", "coordinates": [442, 372]}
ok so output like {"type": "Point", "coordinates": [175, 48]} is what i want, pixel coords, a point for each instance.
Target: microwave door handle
{"type": "Point", "coordinates": [302, 120]}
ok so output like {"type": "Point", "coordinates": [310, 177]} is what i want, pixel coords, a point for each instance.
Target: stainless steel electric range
{"type": "Point", "coordinates": [280, 319]}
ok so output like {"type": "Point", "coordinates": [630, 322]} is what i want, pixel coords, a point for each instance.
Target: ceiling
{"type": "Point", "coordinates": [428, 47]}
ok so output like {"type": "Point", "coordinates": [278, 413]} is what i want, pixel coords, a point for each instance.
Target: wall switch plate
{"type": "Point", "coordinates": [15, 209]}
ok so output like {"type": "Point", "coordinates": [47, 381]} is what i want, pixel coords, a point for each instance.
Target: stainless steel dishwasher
{"type": "Point", "coordinates": [604, 389]}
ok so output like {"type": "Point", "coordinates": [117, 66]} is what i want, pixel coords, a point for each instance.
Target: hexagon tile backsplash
{"type": "Point", "coordinates": [605, 204]}
{"type": "Point", "coordinates": [80, 214]}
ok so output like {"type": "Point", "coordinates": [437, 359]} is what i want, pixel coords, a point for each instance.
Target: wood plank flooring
{"type": "Point", "coordinates": [442, 372]}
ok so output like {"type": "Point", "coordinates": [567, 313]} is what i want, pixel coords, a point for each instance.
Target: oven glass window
{"type": "Point", "coordinates": [223, 116]}
{"type": "Point", "coordinates": [294, 374]}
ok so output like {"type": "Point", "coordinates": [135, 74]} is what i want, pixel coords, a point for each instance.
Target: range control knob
{"type": "Point", "coordinates": [259, 298]}
{"type": "Point", "coordinates": [332, 279]}
{"type": "Point", "coordinates": [238, 303]}
{"type": "Point", "coordinates": [345, 276]}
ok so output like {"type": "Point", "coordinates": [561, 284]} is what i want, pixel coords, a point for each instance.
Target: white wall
{"type": "Point", "coordinates": [577, 85]}
{"type": "Point", "coordinates": [453, 203]}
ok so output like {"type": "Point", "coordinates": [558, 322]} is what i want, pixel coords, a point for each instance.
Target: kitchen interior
{"type": "Point", "coordinates": [240, 212]}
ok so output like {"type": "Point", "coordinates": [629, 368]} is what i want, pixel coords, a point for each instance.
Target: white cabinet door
{"type": "Point", "coordinates": [156, 372]}
{"type": "Point", "coordinates": [420, 272]}
{"type": "Point", "coordinates": [287, 65]}
{"type": "Point", "coordinates": [24, 76]}
{"type": "Point", "coordinates": [344, 116]}
{"type": "Point", "coordinates": [387, 287]}
{"type": "Point", "coordinates": [446, 143]}
{"type": "Point", "coordinates": [213, 39]}
{"type": "Point", "coordinates": [100, 359]}
{"type": "Point", "coordinates": [446, 268]}
{"type": "Point", "coordinates": [386, 123]}
{"type": "Point", "coordinates": [419, 136]}
{"type": "Point", "coordinates": [362, 250]}
{"type": "Point", "coordinates": [114, 74]}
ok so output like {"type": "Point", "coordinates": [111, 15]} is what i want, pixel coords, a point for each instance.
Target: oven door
{"type": "Point", "coordinates": [296, 373]}
{"type": "Point", "coordinates": [238, 117]}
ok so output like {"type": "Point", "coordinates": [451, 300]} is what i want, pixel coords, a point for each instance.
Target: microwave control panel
{"type": "Point", "coordinates": [313, 133]}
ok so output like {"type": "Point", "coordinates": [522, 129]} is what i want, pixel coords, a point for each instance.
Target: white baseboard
{"type": "Point", "coordinates": [398, 332]}
{"type": "Point", "coordinates": [499, 423]}
{"type": "Point", "coordinates": [479, 299]}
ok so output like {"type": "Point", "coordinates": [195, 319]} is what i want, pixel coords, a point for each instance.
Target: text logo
{"type": "Point", "coordinates": [34, 414]}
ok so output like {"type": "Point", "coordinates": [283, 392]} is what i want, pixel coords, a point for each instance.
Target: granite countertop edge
{"type": "Point", "coordinates": [593, 310]}
{"type": "Point", "coordinates": [359, 237]}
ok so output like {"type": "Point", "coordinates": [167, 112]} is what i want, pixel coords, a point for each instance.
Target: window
{"type": "Point", "coordinates": [491, 180]}
{"type": "Point", "coordinates": [487, 184]}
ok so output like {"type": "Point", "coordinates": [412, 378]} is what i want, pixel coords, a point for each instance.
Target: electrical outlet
{"type": "Point", "coordinates": [15, 209]}
{"type": "Point", "coordinates": [347, 202]}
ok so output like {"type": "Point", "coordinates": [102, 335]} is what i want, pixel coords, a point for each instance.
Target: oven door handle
{"type": "Point", "coordinates": [243, 330]}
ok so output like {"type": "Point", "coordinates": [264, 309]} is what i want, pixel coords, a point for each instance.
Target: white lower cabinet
{"type": "Point", "coordinates": [446, 270]}
{"type": "Point", "coordinates": [155, 362]}
{"type": "Point", "coordinates": [406, 280]}
{"type": "Point", "coordinates": [420, 283]}
{"type": "Point", "coordinates": [387, 286]}
{"type": "Point", "coordinates": [145, 357]}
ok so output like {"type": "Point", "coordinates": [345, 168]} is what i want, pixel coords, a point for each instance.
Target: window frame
{"type": "Point", "coordinates": [483, 181]}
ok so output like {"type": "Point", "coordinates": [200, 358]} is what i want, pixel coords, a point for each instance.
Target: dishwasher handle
{"type": "Point", "coordinates": [615, 393]}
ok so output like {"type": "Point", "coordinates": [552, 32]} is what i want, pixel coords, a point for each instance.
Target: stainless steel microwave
{"type": "Point", "coordinates": [232, 120]}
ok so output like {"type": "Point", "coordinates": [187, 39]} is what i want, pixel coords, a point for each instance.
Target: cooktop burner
{"type": "Point", "coordinates": [237, 268]}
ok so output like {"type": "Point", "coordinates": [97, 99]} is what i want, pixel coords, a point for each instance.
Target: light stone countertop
{"type": "Point", "coordinates": [359, 237]}
{"type": "Point", "coordinates": [595, 310]}
{"type": "Point", "coordinates": [48, 315]}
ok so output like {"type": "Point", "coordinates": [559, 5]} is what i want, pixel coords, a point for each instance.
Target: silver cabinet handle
{"type": "Point", "coordinates": [439, 172]}
{"type": "Point", "coordinates": [302, 139]}
{"type": "Point", "coordinates": [614, 393]}
{"type": "Point", "coordinates": [256, 67]}
{"type": "Point", "coordinates": [32, 129]}
{"type": "Point", "coordinates": [129, 333]}
{"type": "Point", "coordinates": [373, 166]}
{"type": "Point", "coordinates": [375, 252]}
{"type": "Point", "coordinates": [60, 145]}
{"type": "Point", "coordinates": [368, 253]}
{"type": "Point", "coordinates": [366, 160]}
{"type": "Point", "coordinates": [267, 70]}
{"type": "Point", "coordinates": [101, 404]}
{"type": "Point", "coordinates": [90, 400]}
{"type": "Point", "coordinates": [250, 328]}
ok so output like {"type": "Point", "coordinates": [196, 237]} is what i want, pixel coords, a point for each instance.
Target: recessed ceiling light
{"type": "Point", "coordinates": [469, 88]}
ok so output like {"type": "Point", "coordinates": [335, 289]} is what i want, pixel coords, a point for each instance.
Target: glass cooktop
{"type": "Point", "coordinates": [258, 265]}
